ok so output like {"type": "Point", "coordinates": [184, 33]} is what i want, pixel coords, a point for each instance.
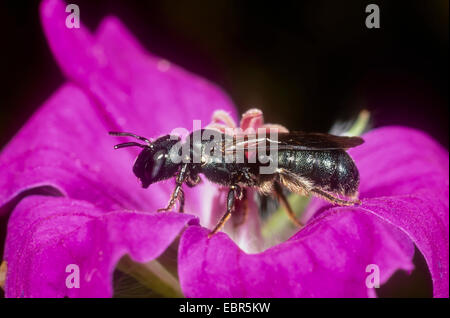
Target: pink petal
{"type": "Point", "coordinates": [416, 176]}
{"type": "Point", "coordinates": [136, 91]}
{"type": "Point", "coordinates": [65, 146]}
{"type": "Point", "coordinates": [328, 259]}
{"type": "Point", "coordinates": [45, 235]}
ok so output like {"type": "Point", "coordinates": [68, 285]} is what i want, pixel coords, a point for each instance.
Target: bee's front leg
{"type": "Point", "coordinates": [178, 193]}
{"type": "Point", "coordinates": [234, 192]}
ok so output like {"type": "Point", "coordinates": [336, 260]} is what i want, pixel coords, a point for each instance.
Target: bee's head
{"type": "Point", "coordinates": [153, 164]}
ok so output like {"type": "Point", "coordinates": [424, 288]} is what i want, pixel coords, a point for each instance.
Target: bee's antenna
{"type": "Point", "coordinates": [130, 144]}
{"type": "Point", "coordinates": [116, 133]}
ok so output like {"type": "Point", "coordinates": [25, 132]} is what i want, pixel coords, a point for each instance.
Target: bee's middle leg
{"type": "Point", "coordinates": [234, 192]}
{"type": "Point", "coordinates": [181, 201]}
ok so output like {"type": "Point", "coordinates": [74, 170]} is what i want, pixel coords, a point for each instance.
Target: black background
{"type": "Point", "coordinates": [305, 64]}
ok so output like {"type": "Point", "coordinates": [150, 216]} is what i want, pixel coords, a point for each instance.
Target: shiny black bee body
{"type": "Point", "coordinates": [330, 170]}
{"type": "Point", "coordinates": [305, 163]}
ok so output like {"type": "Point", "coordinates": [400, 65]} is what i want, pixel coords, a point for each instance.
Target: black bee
{"type": "Point", "coordinates": [307, 163]}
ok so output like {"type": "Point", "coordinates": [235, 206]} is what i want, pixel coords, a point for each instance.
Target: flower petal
{"type": "Point", "coordinates": [400, 160]}
{"type": "Point", "coordinates": [327, 259]}
{"type": "Point", "coordinates": [136, 91]}
{"type": "Point", "coordinates": [45, 235]}
{"type": "Point", "coordinates": [418, 216]}
{"type": "Point", "coordinates": [408, 172]}
{"type": "Point", "coordinates": [62, 146]}
{"type": "Point", "coordinates": [404, 187]}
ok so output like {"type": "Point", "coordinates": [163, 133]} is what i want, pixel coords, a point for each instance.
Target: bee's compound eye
{"type": "Point", "coordinates": [158, 161]}
{"type": "Point", "coordinates": [159, 155]}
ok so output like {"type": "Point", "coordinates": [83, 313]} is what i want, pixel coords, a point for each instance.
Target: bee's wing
{"type": "Point", "coordinates": [316, 141]}
{"type": "Point", "coordinates": [296, 140]}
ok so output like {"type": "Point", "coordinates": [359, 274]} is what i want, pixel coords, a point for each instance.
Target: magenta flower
{"type": "Point", "coordinates": [72, 199]}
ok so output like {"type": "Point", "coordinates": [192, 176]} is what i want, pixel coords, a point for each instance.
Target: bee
{"type": "Point", "coordinates": [307, 163]}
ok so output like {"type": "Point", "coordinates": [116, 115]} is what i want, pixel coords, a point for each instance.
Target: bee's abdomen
{"type": "Point", "coordinates": [331, 170]}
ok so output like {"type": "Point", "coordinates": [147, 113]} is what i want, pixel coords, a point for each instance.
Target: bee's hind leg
{"type": "Point", "coordinates": [287, 207]}
{"type": "Point", "coordinates": [333, 199]}
{"type": "Point", "coordinates": [235, 191]}
{"type": "Point", "coordinates": [243, 204]}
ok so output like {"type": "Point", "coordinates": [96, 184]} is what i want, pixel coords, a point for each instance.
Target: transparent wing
{"type": "Point", "coordinates": [296, 140]}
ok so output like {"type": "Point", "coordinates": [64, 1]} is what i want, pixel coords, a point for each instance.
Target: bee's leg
{"type": "Point", "coordinates": [181, 177]}
{"type": "Point", "coordinates": [287, 207]}
{"type": "Point", "coordinates": [177, 192]}
{"type": "Point", "coordinates": [181, 200]}
{"type": "Point", "coordinates": [232, 194]}
{"type": "Point", "coordinates": [333, 199]}
{"type": "Point", "coordinates": [244, 202]}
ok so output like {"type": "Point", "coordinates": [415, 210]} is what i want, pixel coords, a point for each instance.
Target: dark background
{"type": "Point", "coordinates": [305, 64]}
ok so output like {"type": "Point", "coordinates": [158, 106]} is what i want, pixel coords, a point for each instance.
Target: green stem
{"type": "Point", "coordinates": [278, 226]}
{"type": "Point", "coordinates": [360, 124]}
{"type": "Point", "coordinates": [152, 275]}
